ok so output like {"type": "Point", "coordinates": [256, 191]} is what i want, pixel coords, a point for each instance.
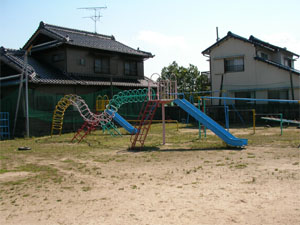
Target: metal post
{"type": "Point", "coordinates": [111, 87]}
{"type": "Point", "coordinates": [226, 115]}
{"type": "Point", "coordinates": [164, 122]}
{"type": "Point", "coordinates": [226, 118]}
{"type": "Point", "coordinates": [281, 124]}
{"type": "Point", "coordinates": [26, 98]}
{"type": "Point", "coordinates": [253, 111]}
{"type": "Point", "coordinates": [19, 94]}
{"type": "Point", "coordinates": [199, 107]}
{"type": "Point", "coordinates": [204, 109]}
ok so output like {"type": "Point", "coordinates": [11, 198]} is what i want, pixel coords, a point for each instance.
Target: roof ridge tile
{"type": "Point", "coordinates": [111, 37]}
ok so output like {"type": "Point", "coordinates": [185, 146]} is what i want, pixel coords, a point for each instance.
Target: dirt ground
{"type": "Point", "coordinates": [255, 185]}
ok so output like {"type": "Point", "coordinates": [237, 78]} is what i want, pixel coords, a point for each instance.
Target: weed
{"type": "Point", "coordinates": [86, 189]}
{"type": "Point", "coordinates": [220, 164]}
{"type": "Point", "coordinates": [240, 166]}
{"type": "Point", "coordinates": [133, 186]}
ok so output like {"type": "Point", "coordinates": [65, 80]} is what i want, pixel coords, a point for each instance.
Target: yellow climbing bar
{"type": "Point", "coordinates": [59, 112]}
{"type": "Point", "coordinates": [101, 103]}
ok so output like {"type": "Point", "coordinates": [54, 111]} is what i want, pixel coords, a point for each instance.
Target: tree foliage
{"type": "Point", "coordinates": [188, 79]}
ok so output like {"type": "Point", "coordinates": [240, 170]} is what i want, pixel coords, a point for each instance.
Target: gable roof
{"type": "Point", "coordinates": [252, 40]}
{"type": "Point", "coordinates": [40, 73]}
{"type": "Point", "coordinates": [269, 46]}
{"type": "Point", "coordinates": [63, 35]}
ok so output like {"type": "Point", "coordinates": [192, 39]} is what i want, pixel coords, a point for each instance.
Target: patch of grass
{"type": "Point", "coordinates": [220, 164]}
{"type": "Point", "coordinates": [86, 188]}
{"type": "Point", "coordinates": [35, 168]}
{"type": "Point", "coordinates": [133, 186]}
{"type": "Point", "coordinates": [4, 171]}
{"type": "Point", "coordinates": [240, 166]}
{"type": "Point", "coordinates": [68, 161]}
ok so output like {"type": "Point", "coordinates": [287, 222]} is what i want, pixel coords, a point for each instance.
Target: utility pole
{"type": "Point", "coordinates": [96, 17]}
{"type": "Point", "coordinates": [24, 73]}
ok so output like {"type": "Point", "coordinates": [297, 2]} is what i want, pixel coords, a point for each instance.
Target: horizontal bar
{"type": "Point", "coordinates": [10, 77]}
{"type": "Point", "coordinates": [253, 99]}
{"type": "Point", "coordinates": [167, 121]}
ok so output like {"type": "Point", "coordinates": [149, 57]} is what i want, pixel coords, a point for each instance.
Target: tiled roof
{"type": "Point", "coordinates": [278, 65]}
{"type": "Point", "coordinates": [229, 35]}
{"type": "Point", "coordinates": [40, 73]}
{"type": "Point", "coordinates": [251, 40]}
{"type": "Point", "coordinates": [269, 46]}
{"type": "Point", "coordinates": [85, 39]}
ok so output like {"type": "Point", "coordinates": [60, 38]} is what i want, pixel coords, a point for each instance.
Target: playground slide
{"type": "Point", "coordinates": [122, 122]}
{"type": "Point", "coordinates": [210, 123]}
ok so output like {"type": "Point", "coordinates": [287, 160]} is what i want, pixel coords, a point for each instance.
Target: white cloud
{"type": "Point", "coordinates": [162, 40]}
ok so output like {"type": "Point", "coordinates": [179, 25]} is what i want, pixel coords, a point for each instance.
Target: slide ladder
{"type": "Point", "coordinates": [146, 115]}
{"type": "Point", "coordinates": [85, 129]}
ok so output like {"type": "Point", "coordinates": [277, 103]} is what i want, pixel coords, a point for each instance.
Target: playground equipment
{"type": "Point", "coordinates": [101, 103]}
{"type": "Point", "coordinates": [210, 124]}
{"type": "Point", "coordinates": [280, 120]}
{"type": "Point", "coordinates": [166, 93]}
{"type": "Point", "coordinates": [4, 126]}
{"type": "Point", "coordinates": [146, 115]}
{"type": "Point", "coordinates": [91, 119]}
{"type": "Point", "coordinates": [160, 121]}
{"type": "Point", "coordinates": [253, 110]}
{"type": "Point", "coordinates": [122, 122]}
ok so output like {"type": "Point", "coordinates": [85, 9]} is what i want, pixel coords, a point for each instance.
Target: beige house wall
{"type": "Point", "coordinates": [116, 63]}
{"type": "Point", "coordinates": [256, 76]}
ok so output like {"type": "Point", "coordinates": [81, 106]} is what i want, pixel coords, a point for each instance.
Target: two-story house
{"type": "Point", "coordinates": [68, 61]}
{"type": "Point", "coordinates": [252, 68]}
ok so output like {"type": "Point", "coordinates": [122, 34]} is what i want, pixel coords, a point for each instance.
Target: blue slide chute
{"type": "Point", "coordinates": [210, 123]}
{"type": "Point", "coordinates": [122, 122]}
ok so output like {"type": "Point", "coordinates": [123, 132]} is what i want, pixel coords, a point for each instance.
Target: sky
{"type": "Point", "coordinates": [172, 30]}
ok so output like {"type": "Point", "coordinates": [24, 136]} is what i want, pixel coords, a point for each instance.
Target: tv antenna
{"type": "Point", "coordinates": [96, 17]}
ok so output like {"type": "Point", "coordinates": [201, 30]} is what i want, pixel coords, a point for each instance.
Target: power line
{"type": "Point", "coordinates": [97, 15]}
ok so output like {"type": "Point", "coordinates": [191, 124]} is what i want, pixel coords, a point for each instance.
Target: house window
{"type": "Point", "coordinates": [264, 55]}
{"type": "Point", "coordinates": [288, 62]}
{"type": "Point", "coordinates": [278, 94]}
{"type": "Point", "coordinates": [130, 68]}
{"type": "Point", "coordinates": [58, 57]}
{"type": "Point", "coordinates": [234, 64]}
{"type": "Point", "coordinates": [102, 65]}
{"type": "Point", "coordinates": [244, 94]}
{"type": "Point", "coordinates": [82, 61]}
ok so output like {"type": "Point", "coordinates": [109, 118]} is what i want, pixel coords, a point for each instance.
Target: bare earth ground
{"type": "Point", "coordinates": [257, 185]}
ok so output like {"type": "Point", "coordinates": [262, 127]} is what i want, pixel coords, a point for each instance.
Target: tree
{"type": "Point", "coordinates": [188, 79]}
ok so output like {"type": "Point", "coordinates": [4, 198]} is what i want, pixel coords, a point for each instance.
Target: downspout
{"type": "Point", "coordinates": [292, 86]}
{"type": "Point", "coordinates": [210, 74]}
{"type": "Point", "coordinates": [221, 89]}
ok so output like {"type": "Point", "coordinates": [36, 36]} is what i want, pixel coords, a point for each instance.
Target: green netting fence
{"type": "Point", "coordinates": [42, 104]}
